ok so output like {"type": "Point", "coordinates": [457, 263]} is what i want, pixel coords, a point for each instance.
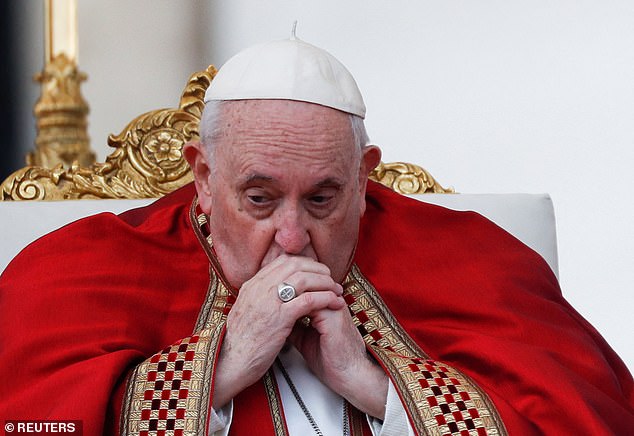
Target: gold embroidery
{"type": "Point", "coordinates": [205, 311]}
{"type": "Point", "coordinates": [439, 399]}
{"type": "Point", "coordinates": [171, 390]}
{"type": "Point", "coordinates": [355, 420]}
{"type": "Point", "coordinates": [275, 404]}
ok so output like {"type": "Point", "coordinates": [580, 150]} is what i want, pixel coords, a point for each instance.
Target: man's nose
{"type": "Point", "coordinates": [291, 232]}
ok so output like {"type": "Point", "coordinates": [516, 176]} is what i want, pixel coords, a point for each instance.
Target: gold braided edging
{"type": "Point", "coordinates": [169, 392]}
{"type": "Point", "coordinates": [275, 403]}
{"type": "Point", "coordinates": [440, 399]}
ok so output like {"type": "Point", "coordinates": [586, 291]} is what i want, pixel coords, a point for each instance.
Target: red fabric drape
{"type": "Point", "coordinates": [476, 298]}
{"type": "Point", "coordinates": [83, 305]}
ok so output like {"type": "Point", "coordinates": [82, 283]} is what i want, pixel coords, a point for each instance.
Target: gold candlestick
{"type": "Point", "coordinates": [61, 112]}
{"type": "Point", "coordinates": [61, 29]}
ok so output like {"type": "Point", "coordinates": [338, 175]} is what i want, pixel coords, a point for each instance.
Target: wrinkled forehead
{"type": "Point", "coordinates": [284, 129]}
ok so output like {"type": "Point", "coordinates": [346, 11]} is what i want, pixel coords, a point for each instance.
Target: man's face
{"type": "Point", "coordinates": [288, 179]}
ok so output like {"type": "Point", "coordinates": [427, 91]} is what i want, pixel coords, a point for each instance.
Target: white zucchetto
{"type": "Point", "coordinates": [289, 69]}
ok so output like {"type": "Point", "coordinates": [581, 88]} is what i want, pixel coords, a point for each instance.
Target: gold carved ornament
{"type": "Point", "coordinates": [61, 113]}
{"type": "Point", "coordinates": [148, 161]}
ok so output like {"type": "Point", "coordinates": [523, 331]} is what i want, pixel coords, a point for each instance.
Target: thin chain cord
{"type": "Point", "coordinates": [302, 405]}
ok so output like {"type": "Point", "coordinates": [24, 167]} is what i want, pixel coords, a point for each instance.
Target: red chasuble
{"type": "Point", "coordinates": [103, 317]}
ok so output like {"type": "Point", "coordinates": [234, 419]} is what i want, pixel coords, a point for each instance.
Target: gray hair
{"type": "Point", "coordinates": [210, 127]}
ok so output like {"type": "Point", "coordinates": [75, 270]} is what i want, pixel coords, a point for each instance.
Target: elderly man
{"type": "Point", "coordinates": [292, 296]}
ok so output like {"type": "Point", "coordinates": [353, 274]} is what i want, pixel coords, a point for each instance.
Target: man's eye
{"type": "Point", "coordinates": [320, 199]}
{"type": "Point", "coordinates": [258, 199]}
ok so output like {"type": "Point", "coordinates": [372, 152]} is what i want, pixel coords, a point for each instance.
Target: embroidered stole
{"type": "Point", "coordinates": [170, 393]}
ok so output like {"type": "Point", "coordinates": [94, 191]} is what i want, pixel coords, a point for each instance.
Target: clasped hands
{"type": "Point", "coordinates": [259, 324]}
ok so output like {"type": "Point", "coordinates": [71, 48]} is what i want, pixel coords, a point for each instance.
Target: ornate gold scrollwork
{"type": "Point", "coordinates": [407, 178]}
{"type": "Point", "coordinates": [35, 183]}
{"type": "Point", "coordinates": [148, 162]}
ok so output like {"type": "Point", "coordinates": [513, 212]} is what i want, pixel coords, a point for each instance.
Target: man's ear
{"type": "Point", "coordinates": [198, 158]}
{"type": "Point", "coordinates": [370, 158]}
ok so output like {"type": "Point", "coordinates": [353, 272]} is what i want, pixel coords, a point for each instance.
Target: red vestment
{"type": "Point", "coordinates": [86, 304]}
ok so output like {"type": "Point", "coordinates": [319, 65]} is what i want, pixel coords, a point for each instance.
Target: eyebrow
{"type": "Point", "coordinates": [258, 178]}
{"type": "Point", "coordinates": [329, 182]}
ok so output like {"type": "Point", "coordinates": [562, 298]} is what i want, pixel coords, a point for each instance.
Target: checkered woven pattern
{"type": "Point", "coordinates": [448, 402]}
{"type": "Point", "coordinates": [166, 390]}
{"type": "Point", "coordinates": [169, 393]}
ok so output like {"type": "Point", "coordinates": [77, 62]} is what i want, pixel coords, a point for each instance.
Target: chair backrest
{"type": "Point", "coordinates": [529, 217]}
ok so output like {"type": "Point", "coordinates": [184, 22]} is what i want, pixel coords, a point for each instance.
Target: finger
{"type": "Point", "coordinates": [285, 265]}
{"type": "Point", "coordinates": [275, 273]}
{"type": "Point", "coordinates": [309, 282]}
{"type": "Point", "coordinates": [309, 302]}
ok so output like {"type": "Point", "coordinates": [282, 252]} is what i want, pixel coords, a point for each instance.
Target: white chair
{"type": "Point", "coordinates": [530, 218]}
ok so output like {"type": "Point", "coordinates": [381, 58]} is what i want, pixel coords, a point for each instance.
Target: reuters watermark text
{"type": "Point", "coordinates": [40, 427]}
